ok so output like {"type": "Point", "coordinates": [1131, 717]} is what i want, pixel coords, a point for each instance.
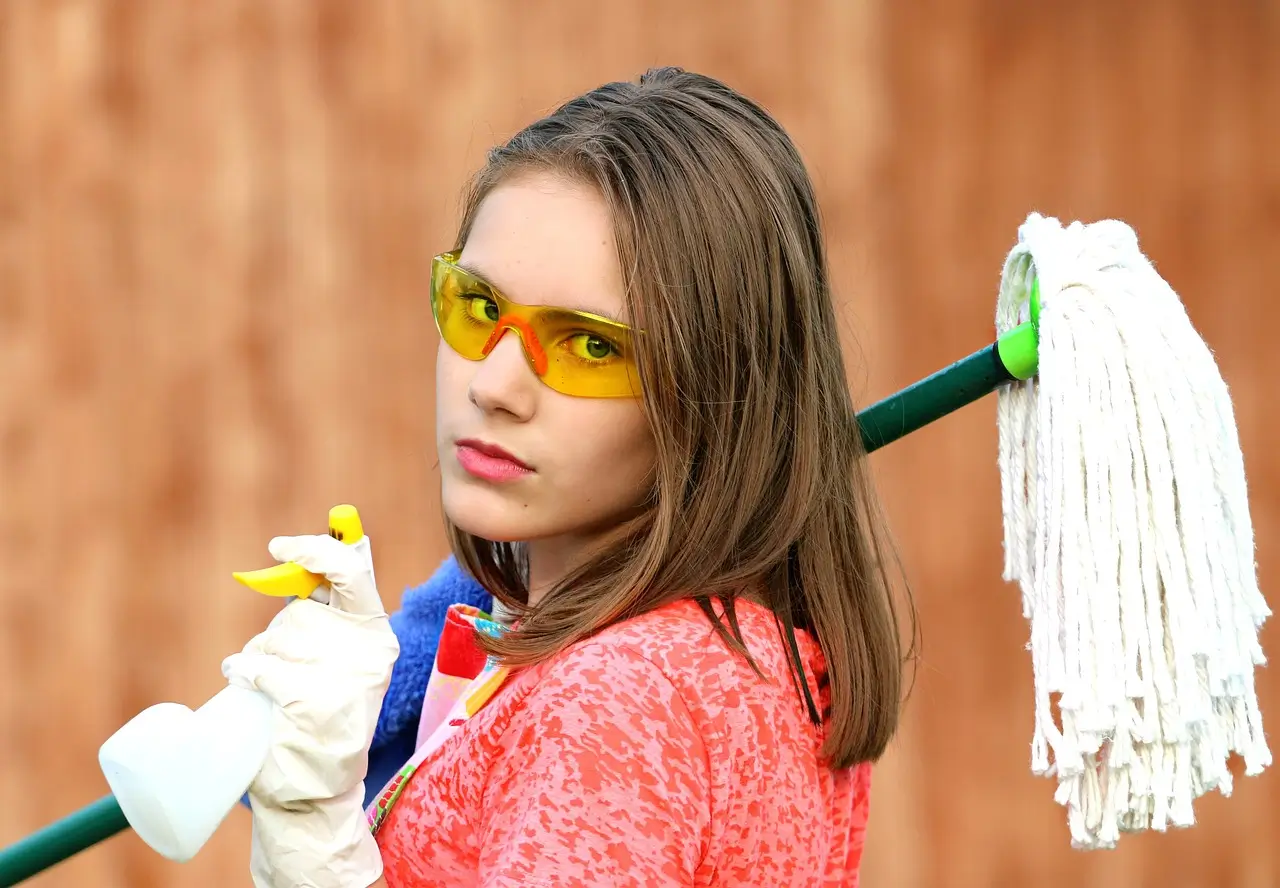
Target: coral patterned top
{"type": "Point", "coordinates": [649, 755]}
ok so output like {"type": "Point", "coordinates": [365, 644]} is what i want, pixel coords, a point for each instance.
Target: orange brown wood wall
{"type": "Point", "coordinates": [216, 220]}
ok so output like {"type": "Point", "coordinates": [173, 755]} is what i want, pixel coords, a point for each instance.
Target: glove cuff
{"type": "Point", "coordinates": [317, 844]}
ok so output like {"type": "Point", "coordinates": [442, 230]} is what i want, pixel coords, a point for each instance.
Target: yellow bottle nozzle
{"type": "Point", "coordinates": [291, 580]}
{"type": "Point", "coordinates": [344, 524]}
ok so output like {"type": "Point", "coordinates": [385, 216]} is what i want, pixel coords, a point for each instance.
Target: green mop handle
{"type": "Point", "coordinates": [1011, 357]}
{"type": "Point", "coordinates": [60, 840]}
{"type": "Point", "coordinates": [1014, 356]}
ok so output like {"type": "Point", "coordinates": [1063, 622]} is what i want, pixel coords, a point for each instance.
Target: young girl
{"type": "Point", "coordinates": [649, 459]}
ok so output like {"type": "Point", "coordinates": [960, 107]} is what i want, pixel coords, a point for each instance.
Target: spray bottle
{"type": "Point", "coordinates": [175, 773]}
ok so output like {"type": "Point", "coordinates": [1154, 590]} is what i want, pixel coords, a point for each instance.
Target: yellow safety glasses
{"type": "Point", "coordinates": [573, 352]}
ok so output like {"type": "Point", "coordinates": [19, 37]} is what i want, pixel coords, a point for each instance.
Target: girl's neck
{"type": "Point", "coordinates": [549, 561]}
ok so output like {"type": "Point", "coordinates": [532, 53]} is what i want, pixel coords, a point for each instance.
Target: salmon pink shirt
{"type": "Point", "coordinates": [649, 755]}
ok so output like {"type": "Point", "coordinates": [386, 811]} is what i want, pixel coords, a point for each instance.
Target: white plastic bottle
{"type": "Point", "coordinates": [178, 773]}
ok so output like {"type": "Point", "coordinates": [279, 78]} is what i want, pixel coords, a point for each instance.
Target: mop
{"type": "Point", "coordinates": [1126, 524]}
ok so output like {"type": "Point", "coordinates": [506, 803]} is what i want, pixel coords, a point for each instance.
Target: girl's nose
{"type": "Point", "coordinates": [503, 381]}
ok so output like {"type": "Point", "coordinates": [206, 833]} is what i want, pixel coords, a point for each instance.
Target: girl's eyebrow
{"type": "Point", "coordinates": [478, 273]}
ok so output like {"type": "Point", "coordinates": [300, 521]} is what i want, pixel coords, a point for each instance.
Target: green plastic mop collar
{"type": "Point", "coordinates": [1019, 348]}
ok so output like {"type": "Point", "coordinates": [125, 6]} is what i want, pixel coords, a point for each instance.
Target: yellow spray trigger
{"type": "Point", "coordinates": [291, 580]}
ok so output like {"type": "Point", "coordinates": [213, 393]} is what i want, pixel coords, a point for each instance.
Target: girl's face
{"type": "Point", "coordinates": [581, 465]}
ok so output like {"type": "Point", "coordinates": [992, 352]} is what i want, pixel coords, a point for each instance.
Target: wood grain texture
{"type": "Point", "coordinates": [215, 225]}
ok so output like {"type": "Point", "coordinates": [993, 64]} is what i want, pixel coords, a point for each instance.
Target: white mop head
{"type": "Point", "coordinates": [1127, 525]}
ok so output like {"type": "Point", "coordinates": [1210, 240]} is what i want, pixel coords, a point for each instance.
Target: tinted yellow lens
{"type": "Point", "coordinates": [465, 308]}
{"type": "Point", "coordinates": [573, 352]}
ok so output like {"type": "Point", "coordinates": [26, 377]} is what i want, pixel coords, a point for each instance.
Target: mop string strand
{"type": "Point", "coordinates": [1127, 528]}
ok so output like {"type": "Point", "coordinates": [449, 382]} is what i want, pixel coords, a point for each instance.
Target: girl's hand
{"type": "Point", "coordinates": [326, 667]}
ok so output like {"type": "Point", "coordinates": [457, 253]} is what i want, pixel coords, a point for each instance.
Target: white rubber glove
{"type": "Point", "coordinates": [326, 667]}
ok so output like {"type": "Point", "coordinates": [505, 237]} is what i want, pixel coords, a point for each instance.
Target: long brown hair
{"type": "Point", "coordinates": [761, 486]}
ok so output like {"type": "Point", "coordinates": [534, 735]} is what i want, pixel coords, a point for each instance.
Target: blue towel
{"type": "Point", "coordinates": [417, 626]}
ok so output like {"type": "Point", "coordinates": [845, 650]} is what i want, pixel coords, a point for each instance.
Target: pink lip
{"type": "Point", "coordinates": [489, 461]}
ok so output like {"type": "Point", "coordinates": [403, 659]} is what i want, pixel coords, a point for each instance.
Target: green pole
{"type": "Point", "coordinates": [1012, 356]}
{"type": "Point", "coordinates": [61, 840]}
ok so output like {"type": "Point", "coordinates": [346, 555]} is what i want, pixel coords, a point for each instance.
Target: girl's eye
{"type": "Point", "coordinates": [590, 347]}
{"type": "Point", "coordinates": [482, 308]}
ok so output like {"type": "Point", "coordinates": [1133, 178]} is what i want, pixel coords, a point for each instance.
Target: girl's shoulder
{"type": "Point", "coordinates": [675, 649]}
{"type": "Point", "coordinates": [679, 638]}
{"type": "Point", "coordinates": [657, 725]}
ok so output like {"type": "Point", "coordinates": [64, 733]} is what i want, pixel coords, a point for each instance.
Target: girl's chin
{"type": "Point", "coordinates": [495, 521]}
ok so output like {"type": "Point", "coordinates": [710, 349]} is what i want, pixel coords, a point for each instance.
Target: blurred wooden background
{"type": "Point", "coordinates": [215, 225]}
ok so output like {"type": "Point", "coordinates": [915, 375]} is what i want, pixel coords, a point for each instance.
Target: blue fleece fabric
{"type": "Point", "coordinates": [417, 626]}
